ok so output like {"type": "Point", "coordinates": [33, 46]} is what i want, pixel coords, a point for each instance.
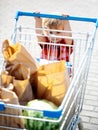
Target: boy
{"type": "Point", "coordinates": [53, 31]}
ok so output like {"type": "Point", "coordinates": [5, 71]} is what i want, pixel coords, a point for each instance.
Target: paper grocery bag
{"type": "Point", "coordinates": [5, 78]}
{"type": "Point", "coordinates": [52, 82]}
{"type": "Point", "coordinates": [17, 54]}
{"type": "Point", "coordinates": [8, 96]}
{"type": "Point", "coordinates": [22, 86]}
{"type": "Point", "coordinates": [19, 71]}
{"type": "Point", "coordinates": [18, 76]}
{"type": "Point", "coordinates": [23, 90]}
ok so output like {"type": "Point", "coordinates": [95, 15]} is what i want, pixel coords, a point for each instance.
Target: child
{"type": "Point", "coordinates": [51, 31]}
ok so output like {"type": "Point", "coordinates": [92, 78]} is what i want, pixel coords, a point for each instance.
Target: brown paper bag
{"type": "Point", "coordinates": [5, 79]}
{"type": "Point", "coordinates": [8, 96]}
{"type": "Point", "coordinates": [18, 76]}
{"type": "Point", "coordinates": [17, 54]}
{"type": "Point", "coordinates": [52, 82]}
{"type": "Point", "coordinates": [24, 90]}
{"type": "Point", "coordinates": [19, 71]}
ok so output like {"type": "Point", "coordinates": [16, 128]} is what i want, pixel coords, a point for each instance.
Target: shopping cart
{"type": "Point", "coordinates": [67, 116]}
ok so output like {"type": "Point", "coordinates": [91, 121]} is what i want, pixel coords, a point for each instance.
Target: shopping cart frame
{"type": "Point", "coordinates": [58, 113]}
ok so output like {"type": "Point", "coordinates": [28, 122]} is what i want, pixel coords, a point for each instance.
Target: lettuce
{"type": "Point", "coordinates": [36, 124]}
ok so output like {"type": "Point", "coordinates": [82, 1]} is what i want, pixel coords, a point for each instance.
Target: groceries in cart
{"type": "Point", "coordinates": [29, 80]}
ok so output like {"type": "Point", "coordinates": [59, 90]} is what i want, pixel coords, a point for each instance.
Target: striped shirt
{"type": "Point", "coordinates": [53, 52]}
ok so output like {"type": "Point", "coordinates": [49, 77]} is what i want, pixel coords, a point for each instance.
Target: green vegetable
{"type": "Point", "coordinates": [39, 125]}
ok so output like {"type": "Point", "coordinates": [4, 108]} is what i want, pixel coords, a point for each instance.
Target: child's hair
{"type": "Point", "coordinates": [53, 23]}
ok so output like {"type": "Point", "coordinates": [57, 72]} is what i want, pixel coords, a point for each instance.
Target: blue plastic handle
{"type": "Point", "coordinates": [76, 18]}
{"type": "Point", "coordinates": [54, 113]}
{"type": "Point", "coordinates": [2, 106]}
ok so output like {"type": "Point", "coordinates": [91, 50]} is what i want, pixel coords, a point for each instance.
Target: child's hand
{"type": "Point", "coordinates": [65, 15]}
{"type": "Point", "coordinates": [38, 21]}
{"type": "Point", "coordinates": [37, 18]}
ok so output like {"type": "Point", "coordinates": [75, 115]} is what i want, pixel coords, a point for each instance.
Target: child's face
{"type": "Point", "coordinates": [55, 35]}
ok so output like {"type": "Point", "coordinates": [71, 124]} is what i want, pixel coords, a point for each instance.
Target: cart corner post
{"type": "Point", "coordinates": [17, 15]}
{"type": "Point", "coordinates": [97, 23]}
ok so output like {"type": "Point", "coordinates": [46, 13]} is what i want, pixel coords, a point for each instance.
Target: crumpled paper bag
{"type": "Point", "coordinates": [17, 54]}
{"type": "Point", "coordinates": [5, 79]}
{"type": "Point", "coordinates": [52, 82]}
{"type": "Point", "coordinates": [20, 82]}
{"type": "Point", "coordinates": [23, 90]}
{"type": "Point", "coordinates": [8, 96]}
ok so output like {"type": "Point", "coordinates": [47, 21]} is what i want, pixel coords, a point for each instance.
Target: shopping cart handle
{"type": "Point", "coordinates": [76, 18]}
{"type": "Point", "coordinates": [53, 114]}
{"type": "Point", "coordinates": [2, 106]}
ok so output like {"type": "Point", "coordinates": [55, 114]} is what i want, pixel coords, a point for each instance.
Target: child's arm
{"type": "Point", "coordinates": [38, 25]}
{"type": "Point", "coordinates": [67, 27]}
{"type": "Point", "coordinates": [39, 31]}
